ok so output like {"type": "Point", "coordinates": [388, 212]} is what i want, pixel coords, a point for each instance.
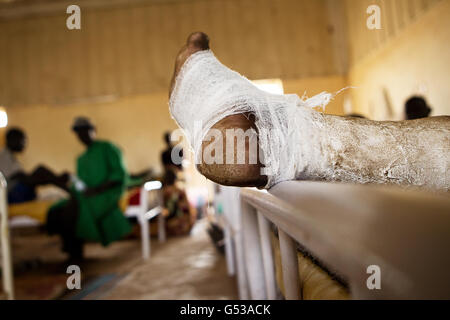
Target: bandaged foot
{"type": "Point", "coordinates": [294, 141]}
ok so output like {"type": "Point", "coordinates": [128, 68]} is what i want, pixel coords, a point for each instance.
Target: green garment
{"type": "Point", "coordinates": [100, 218]}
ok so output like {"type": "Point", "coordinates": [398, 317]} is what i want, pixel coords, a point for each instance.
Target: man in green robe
{"type": "Point", "coordinates": [93, 209]}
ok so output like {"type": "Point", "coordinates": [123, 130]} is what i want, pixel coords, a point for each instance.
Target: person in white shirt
{"type": "Point", "coordinates": [22, 185]}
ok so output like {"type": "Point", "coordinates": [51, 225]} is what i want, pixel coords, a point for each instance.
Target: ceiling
{"type": "Point", "coordinates": [13, 9]}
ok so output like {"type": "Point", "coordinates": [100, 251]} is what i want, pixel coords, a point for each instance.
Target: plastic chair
{"type": "Point", "coordinates": [144, 214]}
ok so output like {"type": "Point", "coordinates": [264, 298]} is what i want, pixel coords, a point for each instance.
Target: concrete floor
{"type": "Point", "coordinates": [182, 268]}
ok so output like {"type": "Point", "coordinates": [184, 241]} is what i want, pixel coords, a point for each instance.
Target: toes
{"type": "Point", "coordinates": [198, 40]}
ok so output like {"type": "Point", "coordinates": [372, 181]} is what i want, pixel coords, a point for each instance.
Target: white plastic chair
{"type": "Point", "coordinates": [143, 215]}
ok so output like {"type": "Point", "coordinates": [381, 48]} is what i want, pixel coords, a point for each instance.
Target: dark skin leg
{"type": "Point", "coordinates": [62, 221]}
{"type": "Point", "coordinates": [243, 175]}
{"type": "Point", "coordinates": [43, 176]}
{"type": "Point", "coordinates": [357, 156]}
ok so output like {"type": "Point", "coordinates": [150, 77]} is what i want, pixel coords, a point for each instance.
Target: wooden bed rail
{"type": "Point", "coordinates": [349, 229]}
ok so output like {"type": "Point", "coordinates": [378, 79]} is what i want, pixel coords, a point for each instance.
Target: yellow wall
{"type": "Point", "coordinates": [313, 86]}
{"type": "Point", "coordinates": [395, 16]}
{"type": "Point", "coordinates": [135, 124]}
{"type": "Point", "coordinates": [130, 50]}
{"type": "Point", "coordinates": [125, 55]}
{"type": "Point", "coordinates": [409, 61]}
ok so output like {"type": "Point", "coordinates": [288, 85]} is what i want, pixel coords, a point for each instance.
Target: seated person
{"type": "Point", "coordinates": [172, 156]}
{"type": "Point", "coordinates": [416, 108]}
{"type": "Point", "coordinates": [92, 212]}
{"type": "Point", "coordinates": [179, 214]}
{"type": "Point", "coordinates": [22, 185]}
{"type": "Point", "coordinates": [356, 115]}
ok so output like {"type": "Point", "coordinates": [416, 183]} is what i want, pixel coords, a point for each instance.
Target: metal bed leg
{"type": "Point", "coordinates": [240, 267]}
{"type": "Point", "coordinates": [143, 221]}
{"type": "Point", "coordinates": [161, 227]}
{"type": "Point", "coordinates": [229, 250]}
{"type": "Point", "coordinates": [252, 249]}
{"type": "Point", "coordinates": [145, 238]}
{"type": "Point", "coordinates": [289, 265]}
{"type": "Point", "coordinates": [7, 270]}
{"type": "Point", "coordinates": [161, 219]}
{"type": "Point", "coordinates": [267, 255]}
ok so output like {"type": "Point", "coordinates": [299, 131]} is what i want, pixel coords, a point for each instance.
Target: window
{"type": "Point", "coordinates": [3, 118]}
{"type": "Point", "coordinates": [274, 86]}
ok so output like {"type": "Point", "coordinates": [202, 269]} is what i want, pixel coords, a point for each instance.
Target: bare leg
{"type": "Point", "coordinates": [343, 149]}
{"type": "Point", "coordinates": [225, 174]}
{"type": "Point", "coordinates": [42, 176]}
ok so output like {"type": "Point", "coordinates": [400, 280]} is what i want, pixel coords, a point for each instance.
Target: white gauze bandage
{"type": "Point", "coordinates": [205, 90]}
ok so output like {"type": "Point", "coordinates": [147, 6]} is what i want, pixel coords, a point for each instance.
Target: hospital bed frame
{"type": "Point", "coordinates": [349, 229]}
{"type": "Point", "coordinates": [141, 212]}
{"type": "Point", "coordinates": [7, 270]}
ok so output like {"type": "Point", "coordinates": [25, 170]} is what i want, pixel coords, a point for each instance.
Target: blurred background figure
{"type": "Point", "coordinates": [178, 212]}
{"type": "Point", "coordinates": [416, 108]}
{"type": "Point", "coordinates": [92, 213]}
{"type": "Point", "coordinates": [22, 185]}
{"type": "Point", "coordinates": [356, 115]}
{"type": "Point", "coordinates": [172, 156]}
